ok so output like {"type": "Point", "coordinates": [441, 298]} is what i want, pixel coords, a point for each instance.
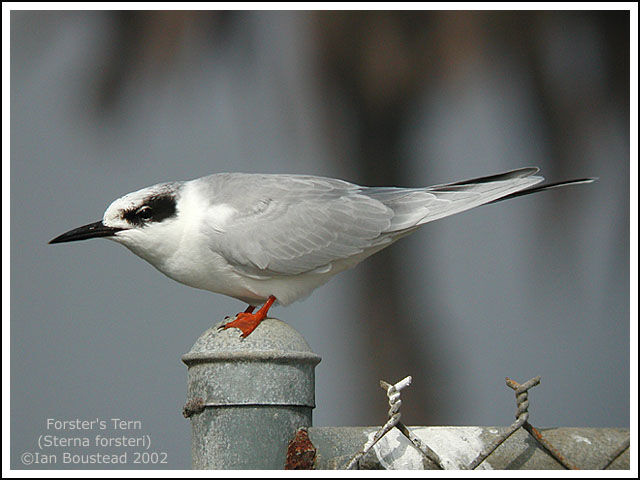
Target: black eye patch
{"type": "Point", "coordinates": [154, 209]}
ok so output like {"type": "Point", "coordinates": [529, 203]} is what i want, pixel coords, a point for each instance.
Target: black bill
{"type": "Point", "coordinates": [93, 230]}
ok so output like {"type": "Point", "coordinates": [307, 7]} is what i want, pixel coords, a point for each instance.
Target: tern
{"type": "Point", "coordinates": [266, 238]}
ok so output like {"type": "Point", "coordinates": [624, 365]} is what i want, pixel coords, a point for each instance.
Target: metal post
{"type": "Point", "coordinates": [247, 397]}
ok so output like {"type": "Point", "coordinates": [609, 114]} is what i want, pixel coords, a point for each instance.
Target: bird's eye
{"type": "Point", "coordinates": [144, 212]}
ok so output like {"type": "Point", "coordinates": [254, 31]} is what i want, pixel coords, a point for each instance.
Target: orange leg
{"type": "Point", "coordinates": [247, 321]}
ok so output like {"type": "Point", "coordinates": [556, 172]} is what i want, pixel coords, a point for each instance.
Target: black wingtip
{"type": "Point", "coordinates": [548, 186]}
{"type": "Point", "coordinates": [511, 174]}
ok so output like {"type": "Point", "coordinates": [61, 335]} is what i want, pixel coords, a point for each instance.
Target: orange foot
{"type": "Point", "coordinates": [248, 321]}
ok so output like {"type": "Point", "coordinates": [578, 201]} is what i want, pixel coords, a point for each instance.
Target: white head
{"type": "Point", "coordinates": [144, 221]}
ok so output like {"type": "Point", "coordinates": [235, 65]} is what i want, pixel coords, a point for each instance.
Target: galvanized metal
{"type": "Point", "coordinates": [252, 395]}
{"type": "Point", "coordinates": [393, 392]}
{"type": "Point", "coordinates": [522, 416]}
{"type": "Point", "coordinates": [588, 448]}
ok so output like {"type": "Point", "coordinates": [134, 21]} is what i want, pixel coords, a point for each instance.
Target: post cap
{"type": "Point", "coordinates": [271, 366]}
{"type": "Point", "coordinates": [273, 339]}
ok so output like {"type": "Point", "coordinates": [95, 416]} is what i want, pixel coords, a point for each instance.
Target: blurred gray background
{"type": "Point", "coordinates": [103, 103]}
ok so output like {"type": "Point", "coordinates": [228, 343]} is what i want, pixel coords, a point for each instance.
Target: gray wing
{"type": "Point", "coordinates": [287, 224]}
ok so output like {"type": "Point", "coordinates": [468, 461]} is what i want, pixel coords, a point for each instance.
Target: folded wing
{"type": "Point", "coordinates": [289, 225]}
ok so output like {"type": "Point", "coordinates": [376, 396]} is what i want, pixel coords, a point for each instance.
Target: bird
{"type": "Point", "coordinates": [267, 238]}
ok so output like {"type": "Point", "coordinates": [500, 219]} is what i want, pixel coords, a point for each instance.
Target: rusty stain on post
{"type": "Point", "coordinates": [301, 454]}
{"type": "Point", "coordinates": [193, 406]}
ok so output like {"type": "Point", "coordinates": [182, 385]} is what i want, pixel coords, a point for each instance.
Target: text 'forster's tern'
{"type": "Point", "coordinates": [267, 238]}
